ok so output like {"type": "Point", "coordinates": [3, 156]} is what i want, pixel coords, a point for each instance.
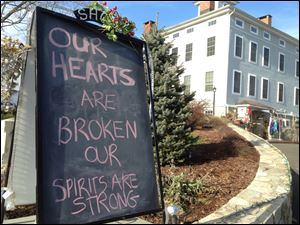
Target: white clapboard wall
{"type": "Point", "coordinates": [22, 175]}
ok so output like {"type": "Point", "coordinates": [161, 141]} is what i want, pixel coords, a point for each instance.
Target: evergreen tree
{"type": "Point", "coordinates": [171, 104]}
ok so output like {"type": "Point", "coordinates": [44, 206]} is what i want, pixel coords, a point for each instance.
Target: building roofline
{"type": "Point", "coordinates": [198, 19]}
{"type": "Point", "coordinates": [231, 10]}
{"type": "Point", "coordinates": [266, 27]}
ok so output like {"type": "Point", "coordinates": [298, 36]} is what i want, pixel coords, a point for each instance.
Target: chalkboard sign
{"type": "Point", "coordinates": [95, 154]}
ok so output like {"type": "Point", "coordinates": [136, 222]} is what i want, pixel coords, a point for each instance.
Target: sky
{"type": "Point", "coordinates": [285, 13]}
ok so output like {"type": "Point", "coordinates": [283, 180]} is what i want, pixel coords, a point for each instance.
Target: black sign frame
{"type": "Point", "coordinates": [122, 38]}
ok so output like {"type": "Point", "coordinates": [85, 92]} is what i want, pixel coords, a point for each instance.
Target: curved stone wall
{"type": "Point", "coordinates": [267, 200]}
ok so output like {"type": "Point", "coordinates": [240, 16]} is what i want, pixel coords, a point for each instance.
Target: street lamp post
{"type": "Point", "coordinates": [214, 99]}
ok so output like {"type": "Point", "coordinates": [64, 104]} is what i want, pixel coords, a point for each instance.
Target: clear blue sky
{"type": "Point", "coordinates": [285, 13]}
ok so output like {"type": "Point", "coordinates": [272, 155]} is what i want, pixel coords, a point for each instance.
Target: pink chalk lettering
{"type": "Point", "coordinates": [115, 180]}
{"type": "Point", "coordinates": [128, 80]}
{"type": "Point", "coordinates": [133, 179]}
{"type": "Point", "coordinates": [62, 188]}
{"type": "Point", "coordinates": [76, 129]}
{"type": "Point", "coordinates": [64, 128]}
{"type": "Point", "coordinates": [63, 31]}
{"type": "Point", "coordinates": [102, 201]}
{"type": "Point", "coordinates": [85, 44]}
{"type": "Point", "coordinates": [98, 95]}
{"type": "Point", "coordinates": [90, 72]}
{"type": "Point", "coordinates": [112, 149]}
{"type": "Point", "coordinates": [62, 65]}
{"type": "Point", "coordinates": [116, 129]}
{"type": "Point", "coordinates": [105, 130]}
{"type": "Point", "coordinates": [98, 125]}
{"type": "Point", "coordinates": [78, 202]}
{"type": "Point", "coordinates": [94, 150]}
{"type": "Point", "coordinates": [109, 153]}
{"type": "Point", "coordinates": [91, 205]}
{"type": "Point", "coordinates": [81, 187]}
{"type": "Point", "coordinates": [73, 67]}
{"type": "Point", "coordinates": [133, 199]}
{"type": "Point", "coordinates": [95, 43]}
{"type": "Point", "coordinates": [102, 69]}
{"type": "Point", "coordinates": [69, 183]}
{"type": "Point", "coordinates": [85, 97]}
{"type": "Point", "coordinates": [115, 200]}
{"type": "Point", "coordinates": [131, 128]}
{"type": "Point", "coordinates": [107, 101]}
{"type": "Point", "coordinates": [115, 71]}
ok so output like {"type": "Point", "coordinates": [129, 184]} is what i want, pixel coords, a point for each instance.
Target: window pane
{"type": "Point", "coordinates": [281, 62]}
{"type": "Point", "coordinates": [237, 82]}
{"type": "Point", "coordinates": [188, 52]}
{"type": "Point", "coordinates": [176, 35]}
{"type": "Point", "coordinates": [297, 68]}
{"type": "Point", "coordinates": [297, 96]}
{"type": "Point", "coordinates": [280, 94]}
{"type": "Point", "coordinates": [253, 29]}
{"type": "Point", "coordinates": [211, 46]}
{"type": "Point", "coordinates": [190, 30]}
{"type": "Point", "coordinates": [265, 89]}
{"type": "Point", "coordinates": [252, 86]}
{"type": "Point", "coordinates": [253, 52]}
{"type": "Point", "coordinates": [187, 83]}
{"type": "Point", "coordinates": [238, 46]}
{"type": "Point", "coordinates": [209, 81]}
{"type": "Point", "coordinates": [266, 56]}
{"type": "Point", "coordinates": [175, 51]}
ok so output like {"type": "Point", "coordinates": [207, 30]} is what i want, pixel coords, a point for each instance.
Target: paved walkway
{"type": "Point", "coordinates": [291, 151]}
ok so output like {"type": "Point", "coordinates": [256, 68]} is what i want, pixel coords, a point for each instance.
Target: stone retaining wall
{"type": "Point", "coordinates": [267, 200]}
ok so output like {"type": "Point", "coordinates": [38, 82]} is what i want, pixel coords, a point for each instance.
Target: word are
{"type": "Point", "coordinates": [73, 129]}
{"type": "Point", "coordinates": [98, 194]}
{"type": "Point", "coordinates": [98, 98]}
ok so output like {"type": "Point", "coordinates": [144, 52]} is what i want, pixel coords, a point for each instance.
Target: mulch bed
{"type": "Point", "coordinates": [227, 159]}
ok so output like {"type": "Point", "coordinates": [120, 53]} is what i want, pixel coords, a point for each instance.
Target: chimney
{"type": "Point", "coordinates": [148, 26]}
{"type": "Point", "coordinates": [205, 6]}
{"type": "Point", "coordinates": [267, 19]}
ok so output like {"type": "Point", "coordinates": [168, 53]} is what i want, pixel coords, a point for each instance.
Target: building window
{"type": "Point", "coordinates": [176, 35]}
{"type": "Point", "coordinates": [239, 23]}
{"type": "Point", "coordinates": [266, 56]}
{"type": "Point", "coordinates": [190, 30]}
{"type": "Point", "coordinates": [237, 75]}
{"type": "Point", "coordinates": [253, 52]}
{"type": "Point", "coordinates": [238, 46]}
{"type": "Point", "coordinates": [211, 23]}
{"type": "Point", "coordinates": [175, 51]}
{"type": "Point", "coordinates": [264, 88]}
{"type": "Point", "coordinates": [209, 81]}
{"type": "Point", "coordinates": [188, 52]}
{"type": "Point", "coordinates": [211, 42]}
{"type": "Point", "coordinates": [281, 62]}
{"type": "Point", "coordinates": [282, 43]}
{"type": "Point", "coordinates": [297, 68]}
{"type": "Point", "coordinates": [251, 85]}
{"type": "Point", "coordinates": [253, 29]}
{"type": "Point", "coordinates": [267, 35]}
{"type": "Point", "coordinates": [296, 96]}
{"type": "Point", "coordinates": [187, 84]}
{"type": "Point", "coordinates": [280, 92]}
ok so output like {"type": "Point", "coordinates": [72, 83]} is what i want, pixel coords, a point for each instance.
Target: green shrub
{"type": "Point", "coordinates": [183, 189]}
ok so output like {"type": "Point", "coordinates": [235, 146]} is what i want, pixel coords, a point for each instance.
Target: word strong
{"type": "Point", "coordinates": [95, 156]}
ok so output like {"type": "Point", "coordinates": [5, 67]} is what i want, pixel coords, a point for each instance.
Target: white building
{"type": "Point", "coordinates": [246, 59]}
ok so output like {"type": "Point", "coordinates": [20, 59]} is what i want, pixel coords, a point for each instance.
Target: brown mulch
{"type": "Point", "coordinates": [230, 163]}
